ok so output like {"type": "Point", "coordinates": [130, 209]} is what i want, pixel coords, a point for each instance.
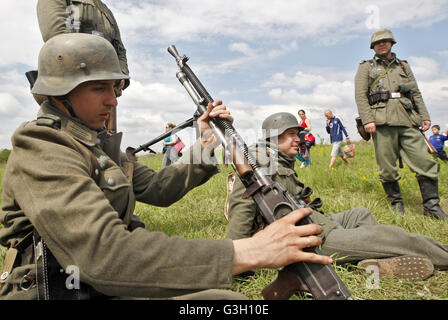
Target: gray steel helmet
{"type": "Point", "coordinates": [276, 124]}
{"type": "Point", "coordinates": [67, 60]}
{"type": "Point", "coordinates": [380, 35]}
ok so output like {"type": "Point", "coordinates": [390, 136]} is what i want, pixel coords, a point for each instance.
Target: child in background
{"type": "Point", "coordinates": [438, 141]}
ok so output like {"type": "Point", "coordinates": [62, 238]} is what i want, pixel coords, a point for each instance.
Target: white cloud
{"type": "Point", "coordinates": [249, 30]}
{"type": "Point", "coordinates": [327, 20]}
{"type": "Point", "coordinates": [424, 68]}
{"type": "Point", "coordinates": [20, 35]}
{"type": "Point", "coordinates": [242, 47]}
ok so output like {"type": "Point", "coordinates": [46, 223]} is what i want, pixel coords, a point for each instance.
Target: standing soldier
{"type": "Point", "coordinates": [392, 109]}
{"type": "Point", "coordinates": [88, 16]}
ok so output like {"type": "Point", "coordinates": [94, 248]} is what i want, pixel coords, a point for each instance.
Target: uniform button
{"type": "Point", "coordinates": [111, 182]}
{"type": "Point", "coordinates": [98, 141]}
{"type": "Point", "coordinates": [97, 172]}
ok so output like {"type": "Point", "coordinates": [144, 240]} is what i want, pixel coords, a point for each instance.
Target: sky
{"type": "Point", "coordinates": [258, 56]}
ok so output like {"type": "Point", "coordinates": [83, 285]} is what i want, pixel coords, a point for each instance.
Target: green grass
{"type": "Point", "coordinates": [200, 215]}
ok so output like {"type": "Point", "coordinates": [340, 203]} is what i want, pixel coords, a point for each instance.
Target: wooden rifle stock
{"type": "Point", "coordinates": [429, 145]}
{"type": "Point", "coordinates": [282, 288]}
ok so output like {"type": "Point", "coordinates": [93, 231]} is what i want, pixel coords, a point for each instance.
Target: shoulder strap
{"type": "Point", "coordinates": [380, 77]}
{"type": "Point", "coordinates": [403, 67]}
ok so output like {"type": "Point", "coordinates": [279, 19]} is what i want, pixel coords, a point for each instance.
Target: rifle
{"type": "Point", "coordinates": [112, 121]}
{"type": "Point", "coordinates": [429, 145]}
{"type": "Point", "coordinates": [183, 125]}
{"type": "Point", "coordinates": [111, 124]}
{"type": "Point", "coordinates": [271, 198]}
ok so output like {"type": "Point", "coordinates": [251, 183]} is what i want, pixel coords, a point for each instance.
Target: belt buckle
{"type": "Point", "coordinates": [395, 95]}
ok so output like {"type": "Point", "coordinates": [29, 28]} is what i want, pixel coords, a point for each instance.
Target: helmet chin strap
{"type": "Point", "coordinates": [67, 104]}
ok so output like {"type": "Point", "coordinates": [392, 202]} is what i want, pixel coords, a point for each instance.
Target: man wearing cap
{"type": "Point", "coordinates": [392, 110]}
{"type": "Point", "coordinates": [352, 235]}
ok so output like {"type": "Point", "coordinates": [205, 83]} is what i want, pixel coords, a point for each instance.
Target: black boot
{"type": "Point", "coordinates": [392, 190]}
{"type": "Point", "coordinates": [430, 195]}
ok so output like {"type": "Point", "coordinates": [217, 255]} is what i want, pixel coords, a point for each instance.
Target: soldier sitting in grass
{"type": "Point", "coordinates": [69, 194]}
{"type": "Point", "coordinates": [353, 235]}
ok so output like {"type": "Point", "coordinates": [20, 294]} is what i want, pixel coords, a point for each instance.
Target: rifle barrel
{"type": "Point", "coordinates": [183, 125]}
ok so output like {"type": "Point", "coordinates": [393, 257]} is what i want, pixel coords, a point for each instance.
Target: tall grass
{"type": "Point", "coordinates": [199, 214]}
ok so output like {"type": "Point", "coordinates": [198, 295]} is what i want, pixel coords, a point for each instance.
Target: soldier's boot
{"type": "Point", "coordinates": [430, 195]}
{"type": "Point", "coordinates": [414, 268]}
{"type": "Point", "coordinates": [392, 190]}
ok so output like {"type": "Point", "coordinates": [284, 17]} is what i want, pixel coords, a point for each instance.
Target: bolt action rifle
{"type": "Point", "coordinates": [272, 199]}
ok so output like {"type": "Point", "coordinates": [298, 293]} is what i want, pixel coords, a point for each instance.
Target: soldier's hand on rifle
{"type": "Point", "coordinates": [426, 124]}
{"type": "Point", "coordinates": [215, 110]}
{"type": "Point", "coordinates": [370, 127]}
{"type": "Point", "coordinates": [280, 243]}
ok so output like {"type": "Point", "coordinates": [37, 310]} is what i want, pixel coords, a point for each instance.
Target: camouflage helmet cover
{"type": "Point", "coordinates": [277, 123]}
{"type": "Point", "coordinates": [67, 60]}
{"type": "Point", "coordinates": [380, 35]}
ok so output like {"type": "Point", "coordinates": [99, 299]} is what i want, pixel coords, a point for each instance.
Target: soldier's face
{"type": "Point", "coordinates": [288, 142]}
{"type": "Point", "coordinates": [92, 102]}
{"type": "Point", "coordinates": [382, 48]}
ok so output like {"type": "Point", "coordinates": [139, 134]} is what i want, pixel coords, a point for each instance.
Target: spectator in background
{"type": "Point", "coordinates": [438, 141]}
{"type": "Point", "coordinates": [335, 128]}
{"type": "Point", "coordinates": [170, 155]}
{"type": "Point", "coordinates": [304, 154]}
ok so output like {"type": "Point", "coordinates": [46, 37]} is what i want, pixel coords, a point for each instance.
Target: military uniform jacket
{"type": "Point", "coordinates": [244, 217]}
{"type": "Point", "coordinates": [396, 111]}
{"type": "Point", "coordinates": [49, 185]}
{"type": "Point", "coordinates": [94, 17]}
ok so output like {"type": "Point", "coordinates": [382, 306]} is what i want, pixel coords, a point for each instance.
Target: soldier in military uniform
{"type": "Point", "coordinates": [391, 108]}
{"type": "Point", "coordinates": [69, 195]}
{"type": "Point", "coordinates": [353, 235]}
{"type": "Point", "coordinates": [86, 16]}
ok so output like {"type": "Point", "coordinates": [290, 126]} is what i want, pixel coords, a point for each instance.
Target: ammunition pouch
{"type": "Point", "coordinates": [379, 96]}
{"type": "Point", "coordinates": [362, 132]}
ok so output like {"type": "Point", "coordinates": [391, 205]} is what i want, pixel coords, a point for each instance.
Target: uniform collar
{"type": "Point", "coordinates": [385, 61]}
{"type": "Point", "coordinates": [283, 159]}
{"type": "Point", "coordinates": [74, 128]}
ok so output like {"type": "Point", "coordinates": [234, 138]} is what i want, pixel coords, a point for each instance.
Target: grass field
{"type": "Point", "coordinates": [340, 188]}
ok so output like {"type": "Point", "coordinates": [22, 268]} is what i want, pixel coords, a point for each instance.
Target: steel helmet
{"type": "Point", "coordinates": [69, 59]}
{"type": "Point", "coordinates": [380, 35]}
{"type": "Point", "coordinates": [276, 124]}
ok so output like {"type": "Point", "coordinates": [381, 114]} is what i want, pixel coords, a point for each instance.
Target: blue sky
{"type": "Point", "coordinates": [259, 57]}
